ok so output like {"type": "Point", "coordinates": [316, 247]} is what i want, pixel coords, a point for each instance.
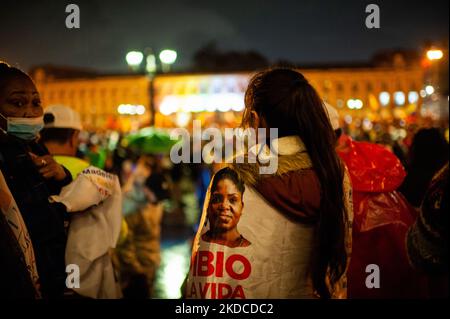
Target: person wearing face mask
{"type": "Point", "coordinates": [32, 176]}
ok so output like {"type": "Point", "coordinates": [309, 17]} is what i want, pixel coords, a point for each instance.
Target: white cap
{"type": "Point", "coordinates": [64, 117]}
{"type": "Point", "coordinates": [333, 116]}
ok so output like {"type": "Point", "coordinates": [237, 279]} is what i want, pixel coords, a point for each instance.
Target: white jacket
{"type": "Point", "coordinates": [95, 200]}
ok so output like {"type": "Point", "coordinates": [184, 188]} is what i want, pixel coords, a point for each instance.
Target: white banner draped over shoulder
{"type": "Point", "coordinates": [274, 265]}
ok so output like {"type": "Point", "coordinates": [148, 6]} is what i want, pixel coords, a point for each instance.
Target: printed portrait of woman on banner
{"type": "Point", "coordinates": [225, 209]}
{"type": "Point", "coordinates": [222, 262]}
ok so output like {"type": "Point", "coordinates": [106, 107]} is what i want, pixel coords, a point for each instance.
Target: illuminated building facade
{"type": "Point", "coordinates": [377, 93]}
{"type": "Point", "coordinates": [123, 102]}
{"type": "Point", "coordinates": [120, 102]}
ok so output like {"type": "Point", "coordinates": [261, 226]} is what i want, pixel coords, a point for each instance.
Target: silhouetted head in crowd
{"type": "Point", "coordinates": [429, 150]}
{"type": "Point", "coordinates": [427, 154]}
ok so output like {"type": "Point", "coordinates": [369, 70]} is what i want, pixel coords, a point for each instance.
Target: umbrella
{"type": "Point", "coordinates": [149, 140]}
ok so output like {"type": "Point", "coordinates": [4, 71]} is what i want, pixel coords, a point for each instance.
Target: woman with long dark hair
{"type": "Point", "coordinates": [297, 218]}
{"type": "Point", "coordinates": [284, 99]}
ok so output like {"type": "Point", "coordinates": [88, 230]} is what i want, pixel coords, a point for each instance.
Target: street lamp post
{"type": "Point", "coordinates": [134, 60]}
{"type": "Point", "coordinates": [151, 70]}
{"type": "Point", "coordinates": [432, 73]}
{"type": "Point", "coordinates": [434, 56]}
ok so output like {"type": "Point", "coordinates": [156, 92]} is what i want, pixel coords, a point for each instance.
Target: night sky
{"type": "Point", "coordinates": [302, 31]}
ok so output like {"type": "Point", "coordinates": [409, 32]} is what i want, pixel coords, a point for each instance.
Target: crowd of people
{"type": "Point", "coordinates": [335, 204]}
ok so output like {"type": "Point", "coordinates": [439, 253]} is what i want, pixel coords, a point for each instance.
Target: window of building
{"type": "Point", "coordinates": [384, 98]}
{"type": "Point", "coordinates": [399, 98]}
{"type": "Point", "coordinates": [413, 97]}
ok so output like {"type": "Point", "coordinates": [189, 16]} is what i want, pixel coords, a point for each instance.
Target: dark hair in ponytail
{"type": "Point", "coordinates": [284, 99]}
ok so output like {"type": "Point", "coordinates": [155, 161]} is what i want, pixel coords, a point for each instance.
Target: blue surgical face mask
{"type": "Point", "coordinates": [26, 128]}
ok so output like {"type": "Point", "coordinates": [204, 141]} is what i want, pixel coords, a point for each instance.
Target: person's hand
{"type": "Point", "coordinates": [48, 167]}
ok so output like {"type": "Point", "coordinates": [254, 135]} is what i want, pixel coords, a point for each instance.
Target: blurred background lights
{"type": "Point", "coordinates": [434, 54]}
{"type": "Point", "coordinates": [413, 97]}
{"type": "Point", "coordinates": [348, 119]}
{"type": "Point", "coordinates": [429, 89]}
{"type": "Point", "coordinates": [130, 109]}
{"type": "Point", "coordinates": [134, 58]}
{"type": "Point", "coordinates": [182, 119]}
{"type": "Point", "coordinates": [168, 56]}
{"type": "Point", "coordinates": [399, 98]}
{"type": "Point", "coordinates": [354, 104]}
{"type": "Point", "coordinates": [384, 98]}
{"type": "Point", "coordinates": [367, 125]}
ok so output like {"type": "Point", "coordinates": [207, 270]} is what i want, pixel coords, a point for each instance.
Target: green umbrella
{"type": "Point", "coordinates": [149, 140]}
